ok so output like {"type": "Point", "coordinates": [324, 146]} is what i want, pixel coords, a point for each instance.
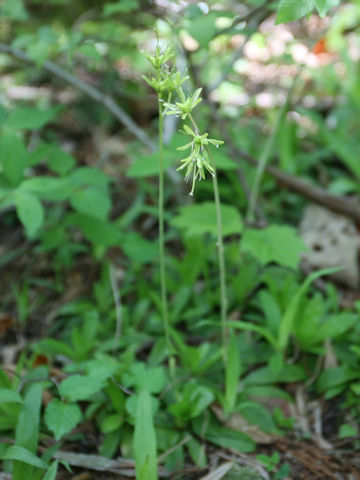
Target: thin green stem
{"type": "Point", "coordinates": [164, 306]}
{"type": "Point", "coordinates": [221, 256]}
{"type": "Point", "coordinates": [266, 155]}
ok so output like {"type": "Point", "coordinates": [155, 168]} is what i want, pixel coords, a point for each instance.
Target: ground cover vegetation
{"type": "Point", "coordinates": [170, 304]}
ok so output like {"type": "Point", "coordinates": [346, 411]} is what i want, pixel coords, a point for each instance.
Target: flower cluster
{"type": "Point", "coordinates": [184, 108]}
{"type": "Point", "coordinates": [198, 160]}
{"type": "Point", "coordinates": [167, 82]}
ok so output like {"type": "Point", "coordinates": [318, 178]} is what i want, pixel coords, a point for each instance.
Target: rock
{"type": "Point", "coordinates": [333, 241]}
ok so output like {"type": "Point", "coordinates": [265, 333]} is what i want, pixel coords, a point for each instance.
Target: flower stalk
{"type": "Point", "coordinates": [195, 165]}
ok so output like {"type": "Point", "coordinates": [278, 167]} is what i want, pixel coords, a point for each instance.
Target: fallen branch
{"type": "Point", "coordinates": [341, 205]}
{"type": "Point", "coordinates": [105, 100]}
{"type": "Point", "coordinates": [119, 466]}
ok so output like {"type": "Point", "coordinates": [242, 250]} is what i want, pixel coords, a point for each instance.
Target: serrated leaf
{"type": "Point", "coordinates": [61, 417]}
{"type": "Point", "coordinates": [80, 387]}
{"type": "Point", "coordinates": [199, 219]}
{"type": "Point", "coordinates": [323, 6]}
{"type": "Point", "coordinates": [277, 243]}
{"type": "Point", "coordinates": [152, 379]}
{"type": "Point", "coordinates": [291, 10]}
{"type": "Point", "coordinates": [30, 211]}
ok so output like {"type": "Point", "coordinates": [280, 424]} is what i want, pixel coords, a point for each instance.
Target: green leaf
{"type": "Point", "coordinates": [13, 10]}
{"type": "Point", "coordinates": [13, 158]}
{"type": "Point", "coordinates": [152, 379]}
{"type": "Point", "coordinates": [290, 314]}
{"type": "Point", "coordinates": [51, 473]}
{"type": "Point", "coordinates": [192, 401]}
{"type": "Point", "coordinates": [144, 443]}
{"type": "Point", "coordinates": [30, 212]}
{"type": "Point", "coordinates": [21, 454]}
{"type": "Point", "coordinates": [30, 118]}
{"type": "Point", "coordinates": [122, 6]}
{"type": "Point", "coordinates": [277, 243]}
{"type": "Point", "coordinates": [223, 437]}
{"type": "Point", "coordinates": [10, 396]}
{"type": "Point", "coordinates": [232, 375]}
{"type": "Point", "coordinates": [46, 188]}
{"type": "Point", "coordinates": [199, 219]}
{"type": "Point", "coordinates": [91, 201]}
{"type": "Point", "coordinates": [347, 431]}
{"type": "Point", "coordinates": [258, 415]}
{"type": "Point", "coordinates": [111, 423]}
{"type": "Point", "coordinates": [87, 176]}
{"type": "Point", "coordinates": [203, 27]}
{"type": "Point", "coordinates": [51, 346]}
{"type": "Point", "coordinates": [148, 165]}
{"type": "Point", "coordinates": [266, 376]}
{"type": "Point", "coordinates": [290, 10]}
{"type": "Point", "coordinates": [96, 230]}
{"type": "Point", "coordinates": [138, 249]}
{"type": "Point", "coordinates": [61, 417]}
{"type": "Point", "coordinates": [60, 162]}
{"type": "Point", "coordinates": [27, 428]}
{"type": "Point", "coordinates": [323, 6]}
{"type": "Point", "coordinates": [80, 387]}
{"type": "Point", "coordinates": [333, 377]}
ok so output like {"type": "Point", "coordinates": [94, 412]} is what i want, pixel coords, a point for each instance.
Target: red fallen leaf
{"type": "Point", "coordinates": [40, 360]}
{"type": "Point", "coordinates": [320, 47]}
{"type": "Point", "coordinates": [6, 322]}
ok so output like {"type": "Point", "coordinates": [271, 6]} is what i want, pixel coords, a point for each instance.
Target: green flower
{"type": "Point", "coordinates": [186, 106]}
{"type": "Point", "coordinates": [198, 160]}
{"type": "Point", "coordinates": [159, 59]}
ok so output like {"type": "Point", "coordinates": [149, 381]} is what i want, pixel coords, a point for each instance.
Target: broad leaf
{"type": "Point", "coordinates": [290, 10]}
{"type": "Point", "coordinates": [28, 118]}
{"type": "Point", "coordinates": [10, 396]}
{"type": "Point", "coordinates": [13, 158]}
{"type": "Point", "coordinates": [199, 219]}
{"type": "Point", "coordinates": [30, 212]}
{"type": "Point", "coordinates": [47, 188]}
{"type": "Point", "coordinates": [80, 387]}
{"type": "Point", "coordinates": [277, 243]}
{"type": "Point", "coordinates": [61, 417]}
{"type": "Point", "coordinates": [91, 201]}
{"type": "Point", "coordinates": [323, 6]}
{"type": "Point", "coordinates": [98, 231]}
